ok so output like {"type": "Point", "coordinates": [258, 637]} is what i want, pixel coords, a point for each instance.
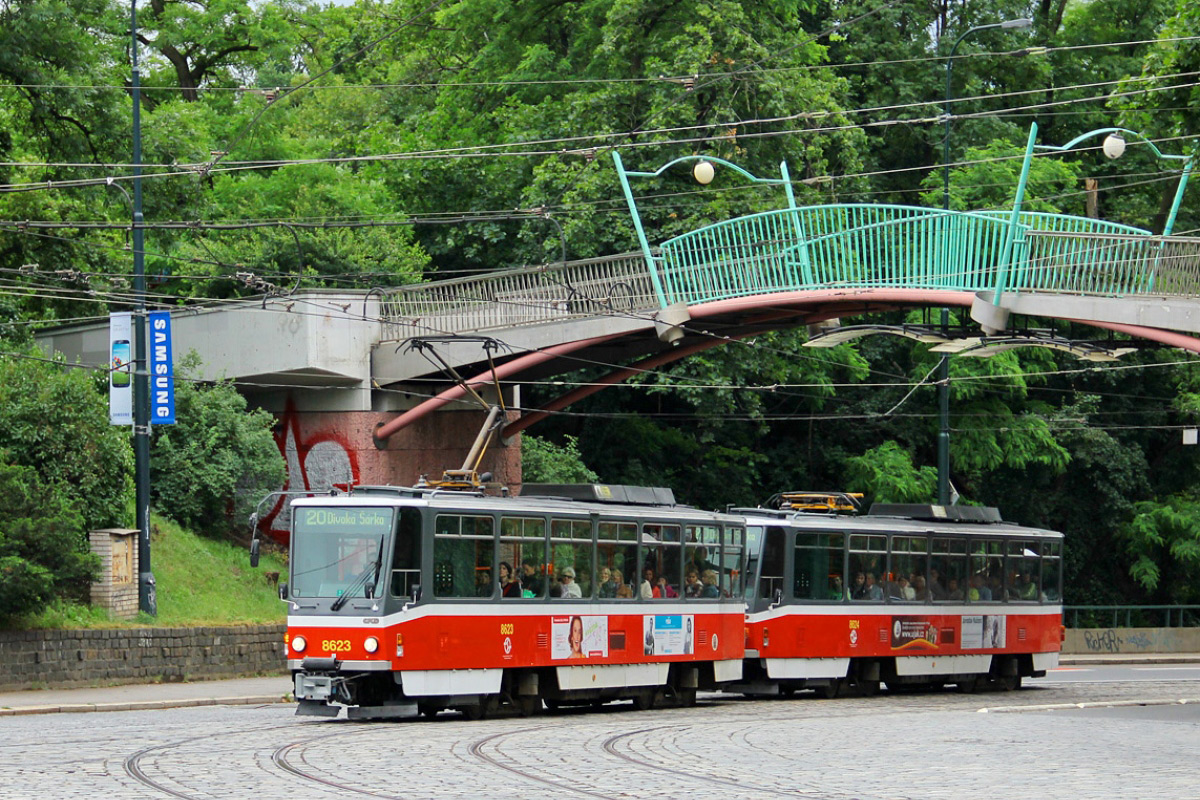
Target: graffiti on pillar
{"type": "Point", "coordinates": [322, 460]}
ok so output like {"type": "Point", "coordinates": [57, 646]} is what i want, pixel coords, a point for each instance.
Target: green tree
{"type": "Point", "coordinates": [54, 419]}
{"type": "Point", "coordinates": [543, 461]}
{"type": "Point", "coordinates": [886, 474]}
{"type": "Point", "coordinates": [1163, 542]}
{"type": "Point", "coordinates": [211, 467]}
{"type": "Point", "coordinates": [43, 542]}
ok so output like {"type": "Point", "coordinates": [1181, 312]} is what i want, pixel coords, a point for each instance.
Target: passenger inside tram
{"type": "Point", "coordinates": [624, 590]}
{"type": "Point", "coordinates": [531, 581]}
{"type": "Point", "coordinates": [936, 590]}
{"type": "Point", "coordinates": [608, 586]}
{"type": "Point", "coordinates": [569, 588]}
{"type": "Point", "coordinates": [483, 583]}
{"type": "Point", "coordinates": [509, 585]}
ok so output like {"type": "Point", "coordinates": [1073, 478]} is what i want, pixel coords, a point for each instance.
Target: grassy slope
{"type": "Point", "coordinates": [199, 581]}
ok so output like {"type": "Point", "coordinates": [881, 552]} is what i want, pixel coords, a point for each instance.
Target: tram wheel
{"type": "Point", "coordinates": [528, 705]}
{"type": "Point", "coordinates": [644, 700]}
{"type": "Point", "coordinates": [1010, 683]}
{"type": "Point", "coordinates": [686, 697]}
{"type": "Point", "coordinates": [830, 690]}
{"type": "Point", "coordinates": [473, 713]}
{"type": "Point", "coordinates": [968, 686]}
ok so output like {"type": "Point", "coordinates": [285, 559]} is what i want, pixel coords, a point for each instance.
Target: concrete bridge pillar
{"type": "Point", "coordinates": [324, 448]}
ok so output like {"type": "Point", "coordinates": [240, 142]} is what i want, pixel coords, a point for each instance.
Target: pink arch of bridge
{"type": "Point", "coordinates": [792, 300]}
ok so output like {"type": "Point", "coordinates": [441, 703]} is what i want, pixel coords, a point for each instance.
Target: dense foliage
{"type": "Point", "coordinates": [209, 469]}
{"type": "Point", "coordinates": [296, 144]}
{"type": "Point", "coordinates": [43, 544]}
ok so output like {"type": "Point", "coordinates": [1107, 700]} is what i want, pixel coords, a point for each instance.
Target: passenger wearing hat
{"type": "Point", "coordinates": [569, 587]}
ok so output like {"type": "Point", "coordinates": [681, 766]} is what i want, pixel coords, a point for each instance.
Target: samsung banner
{"type": "Point", "coordinates": [120, 374]}
{"type": "Point", "coordinates": [162, 375]}
{"type": "Point", "coordinates": [120, 366]}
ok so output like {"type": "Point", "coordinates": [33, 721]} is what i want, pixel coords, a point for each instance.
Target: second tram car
{"type": "Point", "coordinates": [909, 594]}
{"type": "Point", "coordinates": [406, 601]}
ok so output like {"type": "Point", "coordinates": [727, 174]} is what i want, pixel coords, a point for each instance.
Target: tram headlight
{"type": "Point", "coordinates": [371, 644]}
{"type": "Point", "coordinates": [299, 643]}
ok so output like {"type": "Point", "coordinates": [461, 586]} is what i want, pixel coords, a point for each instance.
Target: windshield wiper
{"type": "Point", "coordinates": [371, 573]}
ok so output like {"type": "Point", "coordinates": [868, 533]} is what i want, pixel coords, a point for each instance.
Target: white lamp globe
{"type": "Point", "coordinates": [703, 172]}
{"type": "Point", "coordinates": [1114, 145]}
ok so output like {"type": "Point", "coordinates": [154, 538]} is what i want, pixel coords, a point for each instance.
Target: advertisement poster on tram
{"type": "Point", "coordinates": [669, 634]}
{"type": "Point", "coordinates": [980, 632]}
{"type": "Point", "coordinates": [913, 633]}
{"type": "Point", "coordinates": [578, 637]}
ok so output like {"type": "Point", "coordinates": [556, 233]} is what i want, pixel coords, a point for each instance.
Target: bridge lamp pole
{"type": "Point", "coordinates": [1115, 141]}
{"type": "Point", "coordinates": [943, 382]}
{"type": "Point", "coordinates": [703, 172]}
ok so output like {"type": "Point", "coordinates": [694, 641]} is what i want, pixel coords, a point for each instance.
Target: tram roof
{"type": "Point", "coordinates": [979, 523]}
{"type": "Point", "coordinates": [609, 500]}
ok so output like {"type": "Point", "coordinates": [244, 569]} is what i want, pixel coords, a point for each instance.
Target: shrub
{"type": "Point", "coordinates": [43, 542]}
{"type": "Point", "coordinates": [211, 467]}
{"type": "Point", "coordinates": [54, 419]}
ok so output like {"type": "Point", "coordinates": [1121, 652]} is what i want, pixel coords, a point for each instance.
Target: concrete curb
{"type": "Point", "coordinates": [1117, 658]}
{"type": "Point", "coordinates": [145, 705]}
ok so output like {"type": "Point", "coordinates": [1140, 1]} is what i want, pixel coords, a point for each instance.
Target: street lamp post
{"type": "Point", "coordinates": [147, 600]}
{"type": "Point", "coordinates": [943, 381]}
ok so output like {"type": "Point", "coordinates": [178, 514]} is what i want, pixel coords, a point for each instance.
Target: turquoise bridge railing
{"type": "Point", "coordinates": [869, 245]}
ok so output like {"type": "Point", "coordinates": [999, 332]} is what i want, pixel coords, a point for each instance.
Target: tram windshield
{"type": "Point", "coordinates": [338, 551]}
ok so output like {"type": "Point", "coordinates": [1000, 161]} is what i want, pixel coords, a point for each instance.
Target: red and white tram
{"type": "Point", "coordinates": [909, 594]}
{"type": "Point", "coordinates": [406, 601]}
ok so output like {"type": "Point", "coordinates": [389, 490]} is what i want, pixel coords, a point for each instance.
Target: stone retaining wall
{"type": "Point", "coordinates": [1129, 641]}
{"type": "Point", "coordinates": [75, 658]}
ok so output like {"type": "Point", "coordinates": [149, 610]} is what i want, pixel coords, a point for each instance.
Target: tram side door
{"type": "Point", "coordinates": [406, 556]}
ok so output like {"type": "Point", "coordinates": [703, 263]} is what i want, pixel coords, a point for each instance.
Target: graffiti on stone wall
{"type": "Point", "coordinates": [1106, 641]}
{"type": "Point", "coordinates": [316, 462]}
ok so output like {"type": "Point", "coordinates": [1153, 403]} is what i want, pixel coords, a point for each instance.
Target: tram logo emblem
{"type": "Point", "coordinates": [507, 645]}
{"type": "Point", "coordinates": [853, 637]}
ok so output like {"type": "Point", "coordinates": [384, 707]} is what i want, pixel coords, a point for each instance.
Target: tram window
{"type": "Point", "coordinates": [661, 562]}
{"type": "Point", "coordinates": [702, 546]}
{"type": "Point", "coordinates": [732, 558]}
{"type": "Point", "coordinates": [907, 580]}
{"type": "Point", "coordinates": [753, 540]}
{"type": "Point", "coordinates": [770, 582]}
{"type": "Point", "coordinates": [462, 567]}
{"type": "Point", "coordinates": [335, 550]}
{"type": "Point", "coordinates": [948, 573]}
{"type": "Point", "coordinates": [1024, 565]}
{"type": "Point", "coordinates": [406, 555]}
{"type": "Point", "coordinates": [523, 545]}
{"type": "Point", "coordinates": [571, 552]}
{"type": "Point", "coordinates": [1051, 587]}
{"type": "Point", "coordinates": [866, 565]}
{"type": "Point", "coordinates": [817, 567]}
{"type": "Point", "coordinates": [986, 581]}
{"type": "Point", "coordinates": [616, 560]}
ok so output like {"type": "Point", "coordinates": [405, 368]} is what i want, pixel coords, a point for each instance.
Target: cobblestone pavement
{"type": "Point", "coordinates": [913, 745]}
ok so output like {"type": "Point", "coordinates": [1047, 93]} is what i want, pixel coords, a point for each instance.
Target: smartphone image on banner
{"type": "Point", "coordinates": [120, 363]}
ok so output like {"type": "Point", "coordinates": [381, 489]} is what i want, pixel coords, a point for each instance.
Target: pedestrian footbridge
{"type": "Point", "coordinates": [796, 266]}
